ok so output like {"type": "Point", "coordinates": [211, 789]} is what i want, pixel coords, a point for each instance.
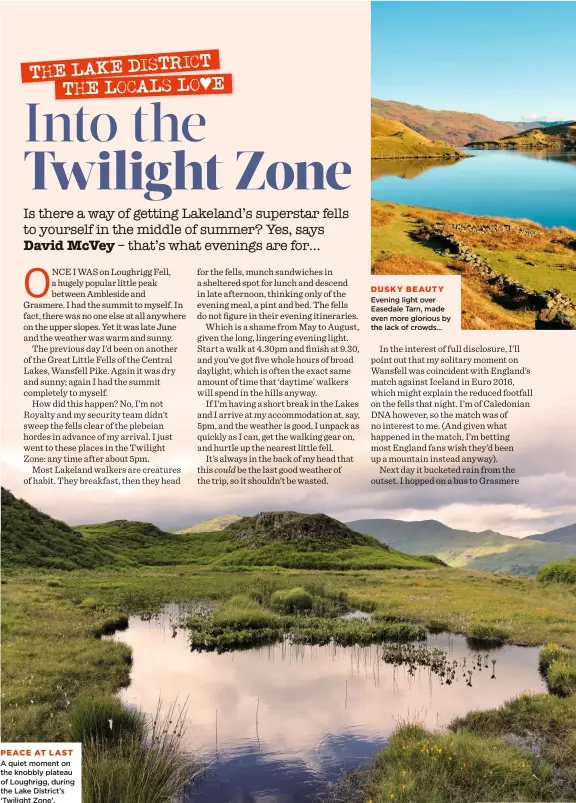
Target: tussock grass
{"type": "Point", "coordinates": [544, 724]}
{"type": "Point", "coordinates": [40, 681]}
{"type": "Point", "coordinates": [243, 613]}
{"type": "Point", "coordinates": [293, 600]}
{"type": "Point", "coordinates": [422, 767]}
{"type": "Point", "coordinates": [487, 634]}
{"type": "Point", "coordinates": [104, 720]}
{"type": "Point", "coordinates": [393, 264]}
{"type": "Point", "coordinates": [561, 676]}
{"type": "Point", "coordinates": [382, 214]}
{"type": "Point", "coordinates": [147, 766]}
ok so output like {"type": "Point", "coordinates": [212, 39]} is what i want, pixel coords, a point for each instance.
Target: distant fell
{"type": "Point", "coordinates": [563, 535]}
{"type": "Point", "coordinates": [34, 539]}
{"type": "Point", "coordinates": [486, 551]}
{"type": "Point", "coordinates": [455, 128]}
{"type": "Point", "coordinates": [550, 138]}
{"type": "Point", "coordinates": [394, 140]}
{"type": "Point", "coordinates": [525, 126]}
{"type": "Point", "coordinates": [211, 525]}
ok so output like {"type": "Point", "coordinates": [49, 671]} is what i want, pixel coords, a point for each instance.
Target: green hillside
{"type": "Point", "coordinates": [551, 138]}
{"type": "Point", "coordinates": [32, 538]}
{"type": "Point", "coordinates": [485, 551]}
{"type": "Point", "coordinates": [393, 140]}
{"type": "Point", "coordinates": [35, 540]}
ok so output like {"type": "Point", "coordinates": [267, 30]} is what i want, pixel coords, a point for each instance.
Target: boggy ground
{"type": "Point", "coordinates": [53, 656]}
{"type": "Point", "coordinates": [539, 258]}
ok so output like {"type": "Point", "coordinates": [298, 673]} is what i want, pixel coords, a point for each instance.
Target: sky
{"type": "Point", "coordinates": [508, 60]}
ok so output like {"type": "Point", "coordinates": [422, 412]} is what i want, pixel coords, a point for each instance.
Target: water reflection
{"type": "Point", "coordinates": [533, 185]}
{"type": "Point", "coordinates": [275, 723]}
{"type": "Point", "coordinates": [405, 168]}
{"type": "Point", "coordinates": [549, 156]}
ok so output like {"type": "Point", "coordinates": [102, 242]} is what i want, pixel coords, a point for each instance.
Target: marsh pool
{"type": "Point", "coordinates": [275, 724]}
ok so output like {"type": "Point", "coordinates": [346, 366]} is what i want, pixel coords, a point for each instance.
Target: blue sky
{"type": "Point", "coordinates": [507, 60]}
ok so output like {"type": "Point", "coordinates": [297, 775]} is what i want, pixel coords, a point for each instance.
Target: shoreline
{"type": "Point", "coordinates": [450, 158]}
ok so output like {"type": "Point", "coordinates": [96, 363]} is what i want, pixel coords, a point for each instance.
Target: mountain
{"type": "Point", "coordinates": [486, 551]}
{"type": "Point", "coordinates": [563, 535]}
{"type": "Point", "coordinates": [456, 128]}
{"type": "Point", "coordinates": [212, 525]}
{"type": "Point", "coordinates": [393, 140]}
{"type": "Point", "coordinates": [551, 138]}
{"type": "Point", "coordinates": [539, 124]}
{"type": "Point", "coordinates": [33, 539]}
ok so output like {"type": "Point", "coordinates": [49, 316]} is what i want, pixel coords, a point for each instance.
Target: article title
{"type": "Point", "coordinates": [123, 169]}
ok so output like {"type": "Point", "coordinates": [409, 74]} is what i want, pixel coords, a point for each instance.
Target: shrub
{"type": "Point", "coordinates": [293, 600]}
{"type": "Point", "coordinates": [103, 720]}
{"type": "Point", "coordinates": [561, 571]}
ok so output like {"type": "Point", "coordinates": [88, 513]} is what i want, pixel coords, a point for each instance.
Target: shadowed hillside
{"type": "Point", "coordinates": [32, 538]}
{"type": "Point", "coordinates": [563, 535]}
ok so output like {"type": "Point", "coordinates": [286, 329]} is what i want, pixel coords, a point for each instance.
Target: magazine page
{"type": "Point", "coordinates": [288, 444]}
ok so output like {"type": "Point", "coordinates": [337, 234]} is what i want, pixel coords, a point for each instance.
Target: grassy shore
{"type": "Point", "coordinates": [537, 257]}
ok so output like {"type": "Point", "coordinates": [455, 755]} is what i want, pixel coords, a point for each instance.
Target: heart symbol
{"type": "Point", "coordinates": [205, 82]}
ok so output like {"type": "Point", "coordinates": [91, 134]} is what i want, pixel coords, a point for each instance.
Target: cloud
{"type": "Point", "coordinates": [531, 118]}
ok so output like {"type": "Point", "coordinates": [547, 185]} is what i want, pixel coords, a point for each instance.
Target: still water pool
{"type": "Point", "coordinates": [275, 724]}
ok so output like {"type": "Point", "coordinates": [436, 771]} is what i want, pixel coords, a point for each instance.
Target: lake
{"type": "Point", "coordinates": [276, 724]}
{"type": "Point", "coordinates": [539, 186]}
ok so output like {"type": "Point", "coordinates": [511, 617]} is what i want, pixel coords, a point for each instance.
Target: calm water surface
{"type": "Point", "coordinates": [539, 186]}
{"type": "Point", "coordinates": [276, 723]}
